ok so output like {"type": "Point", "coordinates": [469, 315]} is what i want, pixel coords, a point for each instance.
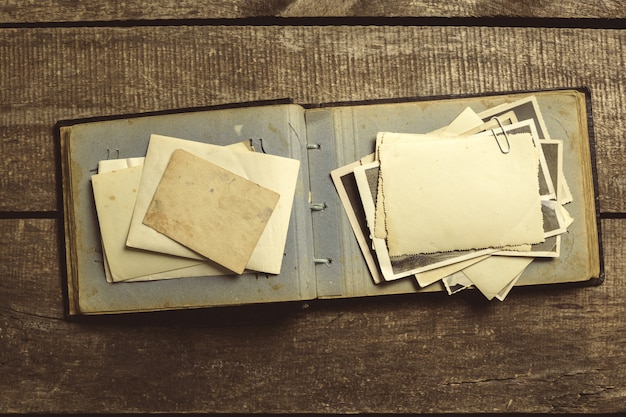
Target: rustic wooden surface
{"type": "Point", "coordinates": [14, 11]}
{"type": "Point", "coordinates": [545, 349]}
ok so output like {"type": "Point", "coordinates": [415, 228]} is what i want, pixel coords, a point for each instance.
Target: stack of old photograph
{"type": "Point", "coordinates": [161, 215]}
{"type": "Point", "coordinates": [469, 205]}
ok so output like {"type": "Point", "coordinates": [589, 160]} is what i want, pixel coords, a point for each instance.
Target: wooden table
{"type": "Point", "coordinates": [545, 349]}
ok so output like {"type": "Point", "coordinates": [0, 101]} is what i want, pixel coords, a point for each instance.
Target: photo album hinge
{"type": "Point", "coordinates": [318, 207]}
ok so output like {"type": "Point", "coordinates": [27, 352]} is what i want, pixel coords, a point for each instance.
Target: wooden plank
{"type": "Point", "coordinates": [31, 286]}
{"type": "Point", "coordinates": [480, 8]}
{"type": "Point", "coordinates": [545, 349]}
{"type": "Point", "coordinates": [13, 11]}
{"type": "Point", "coordinates": [60, 73]}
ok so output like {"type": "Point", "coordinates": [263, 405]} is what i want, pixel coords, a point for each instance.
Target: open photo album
{"type": "Point", "coordinates": [275, 201]}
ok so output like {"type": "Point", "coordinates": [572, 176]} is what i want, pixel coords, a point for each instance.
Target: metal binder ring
{"type": "Point", "coordinates": [506, 136]}
{"type": "Point", "coordinates": [109, 154]}
{"type": "Point", "coordinates": [318, 206]}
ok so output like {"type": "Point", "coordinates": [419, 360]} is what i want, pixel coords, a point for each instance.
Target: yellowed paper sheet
{"type": "Point", "coordinates": [427, 269]}
{"type": "Point", "coordinates": [456, 282]}
{"type": "Point", "coordinates": [525, 126]}
{"type": "Point", "coordinates": [129, 264]}
{"type": "Point", "coordinates": [337, 177]}
{"type": "Point", "coordinates": [466, 121]}
{"type": "Point", "coordinates": [567, 218]}
{"type": "Point", "coordinates": [506, 290]}
{"type": "Point", "coordinates": [427, 278]}
{"type": "Point", "coordinates": [108, 165]}
{"type": "Point", "coordinates": [459, 194]}
{"type": "Point", "coordinates": [494, 274]}
{"type": "Point", "coordinates": [528, 108]}
{"type": "Point", "coordinates": [564, 195]}
{"type": "Point", "coordinates": [505, 119]}
{"type": "Point", "coordinates": [564, 190]}
{"type": "Point", "coordinates": [555, 222]}
{"type": "Point", "coordinates": [466, 124]}
{"type": "Point", "coordinates": [210, 210]}
{"type": "Point", "coordinates": [276, 173]}
{"type": "Point", "coordinates": [114, 194]}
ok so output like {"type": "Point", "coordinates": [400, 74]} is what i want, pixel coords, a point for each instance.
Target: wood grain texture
{"type": "Point", "coordinates": [14, 11]}
{"type": "Point", "coordinates": [31, 283]}
{"type": "Point", "coordinates": [480, 8]}
{"type": "Point", "coordinates": [545, 349]}
{"type": "Point", "coordinates": [50, 74]}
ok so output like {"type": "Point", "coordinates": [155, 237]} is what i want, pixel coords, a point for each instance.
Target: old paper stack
{"type": "Point", "coordinates": [471, 204]}
{"type": "Point", "coordinates": [191, 209]}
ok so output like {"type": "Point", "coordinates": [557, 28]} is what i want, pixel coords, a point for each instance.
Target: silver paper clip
{"type": "Point", "coordinates": [506, 136]}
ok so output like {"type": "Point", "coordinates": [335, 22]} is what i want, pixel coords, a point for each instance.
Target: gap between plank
{"type": "Point", "coordinates": [491, 21]}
